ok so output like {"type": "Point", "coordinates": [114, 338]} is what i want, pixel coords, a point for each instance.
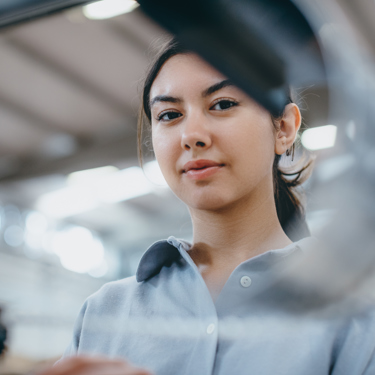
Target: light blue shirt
{"type": "Point", "coordinates": [164, 319]}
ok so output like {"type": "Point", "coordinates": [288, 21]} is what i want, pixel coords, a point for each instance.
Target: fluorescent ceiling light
{"type": "Point", "coordinates": [123, 185]}
{"type": "Point", "coordinates": [36, 223]}
{"type": "Point", "coordinates": [90, 175]}
{"type": "Point", "coordinates": [320, 137]}
{"type": "Point", "coordinates": [89, 189]}
{"type": "Point", "coordinates": [108, 8]}
{"type": "Point", "coordinates": [78, 250]}
{"type": "Point", "coordinates": [67, 202]}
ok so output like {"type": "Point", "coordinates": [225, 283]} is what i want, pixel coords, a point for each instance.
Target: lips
{"type": "Point", "coordinates": [200, 164]}
{"type": "Point", "coordinates": [201, 169]}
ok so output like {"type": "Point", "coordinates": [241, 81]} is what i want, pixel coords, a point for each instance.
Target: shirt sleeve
{"type": "Point", "coordinates": [73, 347]}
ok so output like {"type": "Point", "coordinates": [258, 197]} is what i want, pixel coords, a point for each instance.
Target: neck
{"type": "Point", "coordinates": [222, 239]}
{"type": "Point", "coordinates": [245, 229]}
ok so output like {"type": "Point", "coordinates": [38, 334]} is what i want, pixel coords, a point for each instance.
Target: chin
{"type": "Point", "coordinates": [208, 202]}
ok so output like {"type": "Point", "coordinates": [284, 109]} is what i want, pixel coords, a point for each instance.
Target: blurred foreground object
{"type": "Point", "coordinates": [264, 46]}
{"type": "Point", "coordinates": [248, 41]}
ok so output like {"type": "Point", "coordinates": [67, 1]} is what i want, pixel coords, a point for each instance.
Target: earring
{"type": "Point", "coordinates": [290, 151]}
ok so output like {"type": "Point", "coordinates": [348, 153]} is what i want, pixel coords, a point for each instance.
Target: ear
{"type": "Point", "coordinates": [288, 128]}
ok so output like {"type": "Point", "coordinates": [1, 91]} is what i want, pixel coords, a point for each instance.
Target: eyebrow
{"type": "Point", "coordinates": [216, 87]}
{"type": "Point", "coordinates": [164, 98]}
{"type": "Point", "coordinates": [171, 99]}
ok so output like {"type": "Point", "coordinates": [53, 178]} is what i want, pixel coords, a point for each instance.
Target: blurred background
{"type": "Point", "coordinates": [76, 211]}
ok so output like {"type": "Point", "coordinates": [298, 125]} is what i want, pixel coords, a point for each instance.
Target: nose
{"type": "Point", "coordinates": [195, 134]}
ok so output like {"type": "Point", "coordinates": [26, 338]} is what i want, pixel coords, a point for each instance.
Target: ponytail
{"type": "Point", "coordinates": [288, 196]}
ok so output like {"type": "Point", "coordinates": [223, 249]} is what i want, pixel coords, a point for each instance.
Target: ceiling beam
{"type": "Point", "coordinates": [75, 79]}
{"type": "Point", "coordinates": [33, 119]}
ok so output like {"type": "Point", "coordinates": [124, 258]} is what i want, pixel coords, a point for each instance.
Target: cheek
{"type": "Point", "coordinates": [263, 147]}
{"type": "Point", "coordinates": [253, 143]}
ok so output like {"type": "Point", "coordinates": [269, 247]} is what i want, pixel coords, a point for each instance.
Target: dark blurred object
{"type": "Point", "coordinates": [14, 11]}
{"type": "Point", "coordinates": [266, 45]}
{"type": "Point", "coordinates": [3, 335]}
{"type": "Point", "coordinates": [238, 37]}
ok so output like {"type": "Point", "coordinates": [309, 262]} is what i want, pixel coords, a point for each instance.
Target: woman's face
{"type": "Point", "coordinates": [214, 144]}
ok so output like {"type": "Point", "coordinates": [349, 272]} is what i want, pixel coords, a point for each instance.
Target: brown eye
{"type": "Point", "coordinates": [223, 105]}
{"type": "Point", "coordinates": [168, 116]}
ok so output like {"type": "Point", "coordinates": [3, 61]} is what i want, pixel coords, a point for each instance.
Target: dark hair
{"type": "Point", "coordinates": [290, 209]}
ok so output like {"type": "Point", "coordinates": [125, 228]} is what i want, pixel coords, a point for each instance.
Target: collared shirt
{"type": "Point", "coordinates": [164, 319]}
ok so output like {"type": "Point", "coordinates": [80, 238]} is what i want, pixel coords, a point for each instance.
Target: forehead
{"type": "Point", "coordinates": [185, 72]}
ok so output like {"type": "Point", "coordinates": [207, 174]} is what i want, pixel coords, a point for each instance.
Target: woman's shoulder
{"type": "Point", "coordinates": [117, 285]}
{"type": "Point", "coordinates": [113, 292]}
{"type": "Point", "coordinates": [159, 254]}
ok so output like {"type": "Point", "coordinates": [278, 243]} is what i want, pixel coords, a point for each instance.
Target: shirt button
{"type": "Point", "coordinates": [245, 281]}
{"type": "Point", "coordinates": [210, 328]}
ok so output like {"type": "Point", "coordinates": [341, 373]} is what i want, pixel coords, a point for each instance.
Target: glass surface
{"type": "Point", "coordinates": [77, 211]}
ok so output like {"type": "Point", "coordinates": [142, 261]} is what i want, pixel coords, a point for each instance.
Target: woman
{"type": "Point", "coordinates": [202, 308]}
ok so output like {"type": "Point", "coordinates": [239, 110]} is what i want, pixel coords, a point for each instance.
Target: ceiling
{"type": "Point", "coordinates": [68, 80]}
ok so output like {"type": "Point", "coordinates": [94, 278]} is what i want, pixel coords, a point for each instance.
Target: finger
{"type": "Point", "coordinates": [69, 366]}
{"type": "Point", "coordinates": [83, 365]}
{"type": "Point", "coordinates": [116, 368]}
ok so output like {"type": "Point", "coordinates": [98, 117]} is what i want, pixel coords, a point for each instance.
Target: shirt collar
{"type": "Point", "coordinates": [158, 255]}
{"type": "Point", "coordinates": [165, 252]}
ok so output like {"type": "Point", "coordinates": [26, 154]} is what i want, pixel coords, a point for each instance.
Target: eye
{"type": "Point", "coordinates": [168, 116]}
{"type": "Point", "coordinates": [223, 104]}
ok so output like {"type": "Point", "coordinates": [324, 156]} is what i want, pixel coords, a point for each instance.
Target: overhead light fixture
{"type": "Point", "coordinates": [86, 190]}
{"type": "Point", "coordinates": [319, 138]}
{"type": "Point", "coordinates": [78, 249]}
{"type": "Point", "coordinates": [108, 8]}
{"type": "Point", "coordinates": [36, 223]}
{"type": "Point", "coordinates": [66, 202]}
{"type": "Point", "coordinates": [90, 175]}
{"type": "Point", "coordinates": [123, 185]}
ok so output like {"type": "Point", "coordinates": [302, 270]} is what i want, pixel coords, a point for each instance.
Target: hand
{"type": "Point", "coordinates": [84, 365]}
